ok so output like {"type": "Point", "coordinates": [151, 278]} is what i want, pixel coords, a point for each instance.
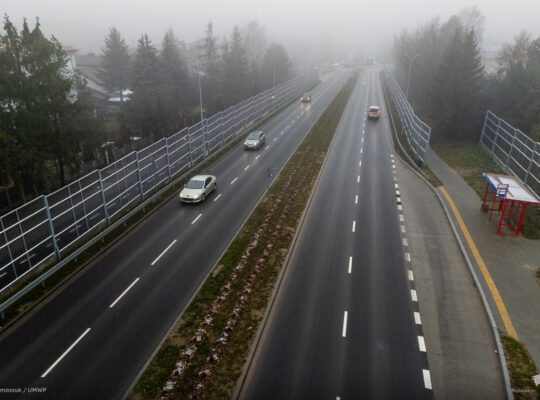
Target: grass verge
{"type": "Point", "coordinates": [399, 134]}
{"type": "Point", "coordinates": [521, 368]}
{"type": "Point", "coordinates": [70, 270]}
{"type": "Point", "coordinates": [470, 161]}
{"type": "Point", "coordinates": [205, 352]}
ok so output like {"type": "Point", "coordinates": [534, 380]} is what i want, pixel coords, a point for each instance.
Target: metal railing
{"type": "Point", "coordinates": [418, 134]}
{"type": "Point", "coordinates": [45, 227]}
{"type": "Point", "coordinates": [514, 151]}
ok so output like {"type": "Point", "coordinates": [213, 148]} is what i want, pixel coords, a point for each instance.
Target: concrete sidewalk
{"type": "Point", "coordinates": [511, 260]}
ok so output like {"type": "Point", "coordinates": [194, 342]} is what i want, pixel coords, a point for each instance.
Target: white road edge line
{"type": "Point", "coordinates": [234, 180]}
{"type": "Point", "coordinates": [196, 219]}
{"type": "Point", "coordinates": [344, 332]}
{"type": "Point", "coordinates": [427, 378]}
{"type": "Point", "coordinates": [218, 196]}
{"type": "Point", "coordinates": [65, 353]}
{"type": "Point", "coordinates": [163, 252]}
{"type": "Point", "coordinates": [417, 319]}
{"type": "Point", "coordinates": [123, 293]}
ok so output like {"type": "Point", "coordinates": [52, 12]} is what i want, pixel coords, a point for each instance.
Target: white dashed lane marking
{"type": "Point", "coordinates": [344, 331]}
{"type": "Point", "coordinates": [65, 353]}
{"type": "Point", "coordinates": [123, 293]}
{"type": "Point", "coordinates": [234, 180]}
{"type": "Point", "coordinates": [417, 319]}
{"type": "Point", "coordinates": [247, 167]}
{"type": "Point", "coordinates": [218, 196]}
{"type": "Point", "coordinates": [427, 378]}
{"type": "Point", "coordinates": [196, 219]}
{"type": "Point", "coordinates": [413, 295]}
{"type": "Point", "coordinates": [163, 252]}
{"type": "Point", "coordinates": [350, 265]}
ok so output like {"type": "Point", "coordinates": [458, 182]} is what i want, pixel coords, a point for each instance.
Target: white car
{"type": "Point", "coordinates": [374, 112]}
{"type": "Point", "coordinates": [198, 188]}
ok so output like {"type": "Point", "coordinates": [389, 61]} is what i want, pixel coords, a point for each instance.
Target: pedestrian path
{"type": "Point", "coordinates": [511, 262]}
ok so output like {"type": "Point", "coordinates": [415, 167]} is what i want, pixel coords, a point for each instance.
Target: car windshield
{"type": "Point", "coordinates": [306, 94]}
{"type": "Point", "coordinates": [195, 184]}
{"type": "Point", "coordinates": [253, 136]}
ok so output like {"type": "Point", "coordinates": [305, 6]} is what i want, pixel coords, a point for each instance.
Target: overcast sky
{"type": "Point", "coordinates": [343, 23]}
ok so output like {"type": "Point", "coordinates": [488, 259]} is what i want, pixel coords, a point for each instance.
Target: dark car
{"type": "Point", "coordinates": [306, 98]}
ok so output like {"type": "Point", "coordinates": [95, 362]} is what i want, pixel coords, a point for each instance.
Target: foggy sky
{"type": "Point", "coordinates": [343, 24]}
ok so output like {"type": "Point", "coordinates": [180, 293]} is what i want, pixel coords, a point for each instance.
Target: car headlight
{"type": "Point", "coordinates": [196, 196]}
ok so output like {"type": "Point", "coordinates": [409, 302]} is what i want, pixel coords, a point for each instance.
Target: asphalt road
{"type": "Point", "coordinates": [343, 324]}
{"type": "Point", "coordinates": [91, 339]}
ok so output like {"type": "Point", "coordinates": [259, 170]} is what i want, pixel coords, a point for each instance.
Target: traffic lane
{"type": "Point", "coordinates": [383, 331]}
{"type": "Point", "coordinates": [116, 289]}
{"type": "Point", "coordinates": [173, 277]}
{"type": "Point", "coordinates": [307, 322]}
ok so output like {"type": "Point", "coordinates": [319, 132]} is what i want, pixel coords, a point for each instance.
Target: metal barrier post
{"type": "Point", "coordinates": [222, 127]}
{"type": "Point", "coordinates": [530, 163]}
{"type": "Point", "coordinates": [495, 137]}
{"type": "Point", "coordinates": [168, 160]}
{"type": "Point", "coordinates": [189, 148]}
{"type": "Point", "coordinates": [51, 227]}
{"type": "Point", "coordinates": [102, 189]}
{"type": "Point", "coordinates": [510, 152]}
{"type": "Point", "coordinates": [139, 175]}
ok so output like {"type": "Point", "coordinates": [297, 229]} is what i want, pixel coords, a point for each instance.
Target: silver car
{"type": "Point", "coordinates": [374, 112]}
{"type": "Point", "coordinates": [255, 140]}
{"type": "Point", "coordinates": [198, 188]}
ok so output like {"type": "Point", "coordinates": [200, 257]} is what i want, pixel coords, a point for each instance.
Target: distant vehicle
{"type": "Point", "coordinates": [198, 188]}
{"type": "Point", "coordinates": [306, 98]}
{"type": "Point", "coordinates": [374, 112]}
{"type": "Point", "coordinates": [255, 140]}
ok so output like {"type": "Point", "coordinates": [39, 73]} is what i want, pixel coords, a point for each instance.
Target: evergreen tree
{"type": "Point", "coordinates": [457, 88]}
{"type": "Point", "coordinates": [211, 51]}
{"type": "Point", "coordinates": [113, 72]}
{"type": "Point", "coordinates": [145, 66]}
{"type": "Point", "coordinates": [235, 79]}
{"type": "Point", "coordinates": [174, 81]}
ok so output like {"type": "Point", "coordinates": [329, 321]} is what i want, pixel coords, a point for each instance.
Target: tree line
{"type": "Point", "coordinates": [440, 63]}
{"type": "Point", "coordinates": [50, 125]}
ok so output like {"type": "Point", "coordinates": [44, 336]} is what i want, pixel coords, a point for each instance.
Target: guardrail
{"type": "Point", "coordinates": [418, 134]}
{"type": "Point", "coordinates": [514, 151]}
{"type": "Point", "coordinates": [47, 226]}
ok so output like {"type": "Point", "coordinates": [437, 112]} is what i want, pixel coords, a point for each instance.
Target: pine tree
{"type": "Point", "coordinates": [235, 80]}
{"type": "Point", "coordinates": [275, 63]}
{"type": "Point", "coordinates": [113, 71]}
{"type": "Point", "coordinates": [145, 66]}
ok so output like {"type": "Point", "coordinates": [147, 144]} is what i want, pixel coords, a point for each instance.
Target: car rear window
{"type": "Point", "coordinates": [373, 109]}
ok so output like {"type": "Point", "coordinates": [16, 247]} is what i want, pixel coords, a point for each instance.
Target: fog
{"type": "Point", "coordinates": [341, 27]}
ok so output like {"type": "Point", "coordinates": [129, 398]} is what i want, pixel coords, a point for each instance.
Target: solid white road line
{"type": "Point", "coordinates": [247, 167]}
{"type": "Point", "coordinates": [356, 199]}
{"type": "Point", "coordinates": [354, 226]}
{"type": "Point", "coordinates": [350, 265]}
{"type": "Point", "coordinates": [427, 378]}
{"type": "Point", "coordinates": [411, 275]}
{"type": "Point", "coordinates": [123, 293]}
{"type": "Point", "coordinates": [163, 252]}
{"type": "Point", "coordinates": [417, 319]}
{"type": "Point", "coordinates": [344, 332]}
{"type": "Point", "coordinates": [258, 155]}
{"type": "Point", "coordinates": [413, 295]}
{"type": "Point", "coordinates": [234, 180]}
{"type": "Point", "coordinates": [196, 219]}
{"type": "Point", "coordinates": [65, 353]}
{"type": "Point", "coordinates": [408, 257]}
{"type": "Point", "coordinates": [218, 196]}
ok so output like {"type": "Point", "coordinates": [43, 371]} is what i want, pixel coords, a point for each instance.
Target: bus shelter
{"type": "Point", "coordinates": [507, 196]}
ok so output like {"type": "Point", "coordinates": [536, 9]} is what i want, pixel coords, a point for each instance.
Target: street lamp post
{"type": "Point", "coordinates": [410, 68]}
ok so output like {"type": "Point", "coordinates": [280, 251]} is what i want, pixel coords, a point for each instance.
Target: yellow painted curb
{"type": "Point", "coordinates": [487, 276]}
